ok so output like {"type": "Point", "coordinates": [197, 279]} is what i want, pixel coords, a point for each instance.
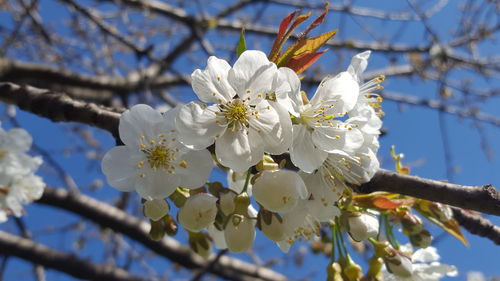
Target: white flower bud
{"type": "Point", "coordinates": [399, 264]}
{"type": "Point", "coordinates": [155, 209]}
{"type": "Point", "coordinates": [362, 226]}
{"type": "Point", "coordinates": [239, 233]}
{"type": "Point", "coordinates": [279, 191]}
{"type": "Point", "coordinates": [198, 212]}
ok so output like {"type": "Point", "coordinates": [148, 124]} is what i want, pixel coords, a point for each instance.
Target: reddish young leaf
{"type": "Point", "coordinates": [276, 49]}
{"type": "Point", "coordinates": [283, 27]}
{"type": "Point", "coordinates": [305, 45]}
{"type": "Point", "coordinates": [302, 62]}
{"type": "Point", "coordinates": [387, 204]}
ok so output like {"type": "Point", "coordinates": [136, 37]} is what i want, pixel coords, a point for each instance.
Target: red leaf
{"type": "Point", "coordinates": [302, 62]}
{"type": "Point", "coordinates": [385, 203]}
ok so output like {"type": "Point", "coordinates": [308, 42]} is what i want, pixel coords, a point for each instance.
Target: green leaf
{"type": "Point", "coordinates": [242, 45]}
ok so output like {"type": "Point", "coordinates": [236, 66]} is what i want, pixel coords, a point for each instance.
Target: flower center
{"type": "Point", "coordinates": [236, 114]}
{"type": "Point", "coordinates": [160, 156]}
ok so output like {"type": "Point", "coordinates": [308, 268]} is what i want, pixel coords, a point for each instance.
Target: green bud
{"type": "Point", "coordinates": [422, 239]}
{"type": "Point", "coordinates": [157, 231]}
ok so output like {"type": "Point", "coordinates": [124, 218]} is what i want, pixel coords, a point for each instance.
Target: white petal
{"type": "Point", "coordinates": [273, 127]}
{"type": "Point", "coordinates": [17, 140]}
{"type": "Point", "coordinates": [140, 120]}
{"type": "Point", "coordinates": [325, 138]}
{"type": "Point", "coordinates": [287, 90]}
{"type": "Point", "coordinates": [279, 191]}
{"type": "Point", "coordinates": [233, 150]}
{"type": "Point", "coordinates": [343, 88]}
{"type": "Point", "coordinates": [194, 167]}
{"type": "Point", "coordinates": [303, 153]}
{"type": "Point", "coordinates": [358, 65]}
{"type": "Point", "coordinates": [211, 85]}
{"type": "Point", "coordinates": [217, 236]}
{"type": "Point", "coordinates": [236, 182]}
{"type": "Point", "coordinates": [252, 74]}
{"type": "Point", "coordinates": [157, 184]}
{"type": "Point", "coordinates": [197, 126]}
{"type": "Point", "coordinates": [119, 165]}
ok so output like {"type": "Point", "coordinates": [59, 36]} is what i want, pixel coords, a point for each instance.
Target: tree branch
{"type": "Point", "coordinates": [484, 199]}
{"type": "Point", "coordinates": [119, 221]}
{"type": "Point", "coordinates": [68, 263]}
{"type": "Point", "coordinates": [477, 225]}
{"type": "Point", "coordinates": [59, 107]}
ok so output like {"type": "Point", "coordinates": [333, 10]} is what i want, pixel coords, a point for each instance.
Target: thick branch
{"type": "Point", "coordinates": [59, 107]}
{"type": "Point", "coordinates": [36, 253]}
{"type": "Point", "coordinates": [484, 199]}
{"type": "Point", "coordinates": [477, 225]}
{"type": "Point", "coordinates": [119, 221]}
{"type": "Point", "coordinates": [98, 88]}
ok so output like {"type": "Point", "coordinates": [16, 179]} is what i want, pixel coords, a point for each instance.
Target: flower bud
{"type": "Point", "coordinates": [155, 209]}
{"type": "Point", "coordinates": [198, 212]}
{"type": "Point", "coordinates": [351, 270]}
{"type": "Point", "coordinates": [397, 263]}
{"type": "Point", "coordinates": [422, 239]}
{"type": "Point", "coordinates": [170, 225]}
{"type": "Point", "coordinates": [411, 223]}
{"type": "Point", "coordinates": [239, 233]}
{"type": "Point", "coordinates": [442, 212]}
{"type": "Point", "coordinates": [360, 226]}
{"type": "Point", "coordinates": [334, 272]}
{"type": "Point", "coordinates": [375, 265]}
{"type": "Point", "coordinates": [200, 243]}
{"type": "Point", "coordinates": [279, 191]}
{"type": "Point", "coordinates": [157, 231]}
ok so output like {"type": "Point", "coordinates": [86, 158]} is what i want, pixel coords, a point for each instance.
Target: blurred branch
{"type": "Point", "coordinates": [364, 12]}
{"type": "Point", "coordinates": [110, 30]}
{"type": "Point", "coordinates": [119, 221]}
{"type": "Point", "coordinates": [439, 105]}
{"type": "Point", "coordinates": [477, 225]}
{"type": "Point", "coordinates": [68, 263]}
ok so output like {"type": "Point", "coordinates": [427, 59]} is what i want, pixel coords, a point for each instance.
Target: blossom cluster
{"type": "Point", "coordinates": [248, 113]}
{"type": "Point", "coordinates": [18, 183]}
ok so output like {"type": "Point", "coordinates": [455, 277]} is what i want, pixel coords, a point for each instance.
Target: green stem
{"type": "Point", "coordinates": [334, 226]}
{"type": "Point", "coordinates": [247, 180]}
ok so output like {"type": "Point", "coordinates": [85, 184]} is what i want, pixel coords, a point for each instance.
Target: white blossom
{"type": "Point", "coordinates": [198, 212]}
{"type": "Point", "coordinates": [18, 184]}
{"type": "Point", "coordinates": [241, 121]}
{"type": "Point", "coordinates": [156, 209]}
{"type": "Point", "coordinates": [19, 192]}
{"type": "Point", "coordinates": [424, 267]}
{"type": "Point", "coordinates": [153, 162]}
{"type": "Point", "coordinates": [279, 191]}
{"type": "Point", "coordinates": [14, 161]}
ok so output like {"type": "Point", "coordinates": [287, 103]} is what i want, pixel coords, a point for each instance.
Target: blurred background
{"type": "Point", "coordinates": [441, 102]}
